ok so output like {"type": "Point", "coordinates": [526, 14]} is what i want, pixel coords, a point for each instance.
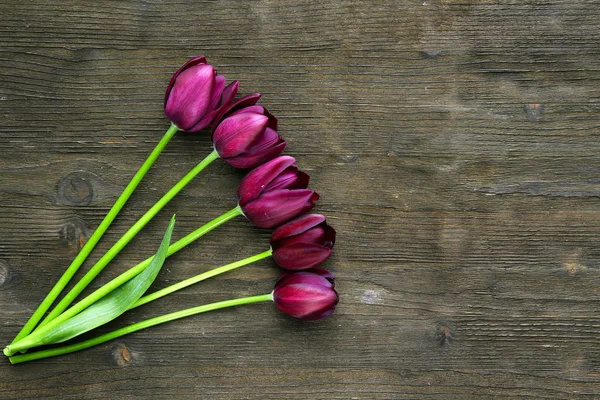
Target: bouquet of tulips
{"type": "Point", "coordinates": [274, 194]}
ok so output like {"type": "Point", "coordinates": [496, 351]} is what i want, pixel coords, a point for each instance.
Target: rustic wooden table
{"type": "Point", "coordinates": [455, 147]}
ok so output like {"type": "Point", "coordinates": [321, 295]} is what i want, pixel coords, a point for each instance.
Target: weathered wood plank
{"type": "Point", "coordinates": [455, 146]}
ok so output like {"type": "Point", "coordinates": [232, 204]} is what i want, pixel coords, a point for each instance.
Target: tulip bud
{"type": "Point", "coordinates": [196, 94]}
{"type": "Point", "coordinates": [308, 295]}
{"type": "Point", "coordinates": [303, 243]}
{"type": "Point", "coordinates": [248, 137]}
{"type": "Point", "coordinates": [275, 192]}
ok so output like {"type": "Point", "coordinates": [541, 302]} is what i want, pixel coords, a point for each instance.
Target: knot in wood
{"type": "Point", "coordinates": [75, 189]}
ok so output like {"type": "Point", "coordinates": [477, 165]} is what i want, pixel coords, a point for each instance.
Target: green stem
{"type": "Point", "coordinates": [121, 279]}
{"type": "Point", "coordinates": [200, 277]}
{"type": "Point", "coordinates": [130, 234]}
{"type": "Point", "coordinates": [96, 236]}
{"type": "Point", "coordinates": [138, 326]}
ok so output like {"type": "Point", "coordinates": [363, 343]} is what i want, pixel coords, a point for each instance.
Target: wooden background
{"type": "Point", "coordinates": [455, 147]}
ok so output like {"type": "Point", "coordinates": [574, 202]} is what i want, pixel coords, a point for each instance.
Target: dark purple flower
{"type": "Point", "coordinates": [248, 137]}
{"type": "Point", "coordinates": [308, 295]}
{"type": "Point", "coordinates": [275, 192]}
{"type": "Point", "coordinates": [196, 94]}
{"type": "Point", "coordinates": [303, 243]}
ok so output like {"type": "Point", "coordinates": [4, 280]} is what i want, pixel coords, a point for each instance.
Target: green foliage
{"type": "Point", "coordinates": [113, 304]}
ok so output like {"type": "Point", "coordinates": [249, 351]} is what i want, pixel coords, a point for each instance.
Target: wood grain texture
{"type": "Point", "coordinates": [456, 148]}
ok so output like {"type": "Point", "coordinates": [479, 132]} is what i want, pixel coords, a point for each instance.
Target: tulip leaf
{"type": "Point", "coordinates": [114, 303]}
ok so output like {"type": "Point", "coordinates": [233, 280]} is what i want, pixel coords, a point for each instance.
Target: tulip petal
{"type": "Point", "coordinates": [315, 276]}
{"type": "Point", "coordinates": [216, 98]}
{"type": "Point", "coordinates": [257, 109]}
{"type": "Point", "coordinates": [268, 139]}
{"type": "Point", "coordinates": [229, 93]}
{"type": "Point", "coordinates": [307, 277]}
{"type": "Point", "coordinates": [256, 158]}
{"type": "Point", "coordinates": [289, 179]}
{"type": "Point", "coordinates": [301, 182]}
{"type": "Point", "coordinates": [301, 256]}
{"type": "Point", "coordinates": [325, 273]}
{"type": "Point", "coordinates": [278, 206]}
{"type": "Point", "coordinates": [329, 236]}
{"type": "Point", "coordinates": [217, 92]}
{"type": "Point", "coordinates": [245, 101]}
{"type": "Point", "coordinates": [235, 134]}
{"type": "Point", "coordinates": [223, 99]}
{"type": "Point", "coordinates": [321, 314]}
{"type": "Point", "coordinates": [315, 235]}
{"type": "Point", "coordinates": [203, 123]}
{"type": "Point", "coordinates": [257, 179]}
{"type": "Point", "coordinates": [190, 96]}
{"type": "Point", "coordinates": [273, 122]}
{"type": "Point", "coordinates": [297, 226]}
{"type": "Point", "coordinates": [188, 64]}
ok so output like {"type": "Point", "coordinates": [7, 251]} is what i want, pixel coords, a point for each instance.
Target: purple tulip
{"type": "Point", "coordinates": [307, 295]}
{"type": "Point", "coordinates": [275, 192]}
{"type": "Point", "coordinates": [303, 243]}
{"type": "Point", "coordinates": [248, 137]}
{"type": "Point", "coordinates": [196, 94]}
